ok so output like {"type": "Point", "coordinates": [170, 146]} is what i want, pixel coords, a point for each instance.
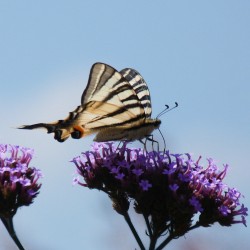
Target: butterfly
{"type": "Point", "coordinates": [115, 106]}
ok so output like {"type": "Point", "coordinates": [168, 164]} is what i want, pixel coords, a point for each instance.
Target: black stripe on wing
{"type": "Point", "coordinates": [123, 123]}
{"type": "Point", "coordinates": [124, 87]}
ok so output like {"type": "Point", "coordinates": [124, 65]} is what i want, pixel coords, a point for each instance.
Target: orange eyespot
{"type": "Point", "coordinates": [79, 128]}
{"type": "Point", "coordinates": [78, 132]}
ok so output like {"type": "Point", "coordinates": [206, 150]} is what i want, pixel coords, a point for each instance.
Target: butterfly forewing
{"type": "Point", "coordinates": [99, 75]}
{"type": "Point", "coordinates": [140, 87]}
{"type": "Point", "coordinates": [108, 86]}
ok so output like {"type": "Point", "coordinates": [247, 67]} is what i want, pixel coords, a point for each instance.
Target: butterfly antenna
{"type": "Point", "coordinates": [163, 111]}
{"type": "Point", "coordinates": [167, 109]}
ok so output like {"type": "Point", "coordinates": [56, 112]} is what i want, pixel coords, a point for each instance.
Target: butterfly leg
{"type": "Point", "coordinates": [144, 144]}
{"type": "Point", "coordinates": [164, 142]}
{"type": "Point", "coordinates": [151, 138]}
{"type": "Point", "coordinates": [124, 143]}
{"type": "Point", "coordinates": [119, 144]}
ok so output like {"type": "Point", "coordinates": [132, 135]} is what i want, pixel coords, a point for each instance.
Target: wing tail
{"type": "Point", "coordinates": [49, 127]}
{"type": "Point", "coordinates": [63, 129]}
{"type": "Point", "coordinates": [60, 134]}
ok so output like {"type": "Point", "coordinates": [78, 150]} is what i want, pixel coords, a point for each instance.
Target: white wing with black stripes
{"type": "Point", "coordinates": [140, 87]}
{"type": "Point", "coordinates": [115, 105]}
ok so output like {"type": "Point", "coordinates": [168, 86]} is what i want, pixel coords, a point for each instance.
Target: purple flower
{"type": "Point", "coordinates": [173, 187]}
{"type": "Point", "coordinates": [75, 180]}
{"type": "Point", "coordinates": [137, 171]}
{"type": "Point", "coordinates": [114, 170]}
{"type": "Point", "coordinates": [224, 210]}
{"type": "Point", "coordinates": [167, 189]}
{"type": "Point", "coordinates": [196, 204]}
{"type": "Point", "coordinates": [18, 182]}
{"type": "Point", "coordinates": [145, 185]}
{"type": "Point", "coordinates": [120, 176]}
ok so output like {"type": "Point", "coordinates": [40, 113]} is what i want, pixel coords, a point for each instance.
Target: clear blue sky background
{"type": "Point", "coordinates": [193, 52]}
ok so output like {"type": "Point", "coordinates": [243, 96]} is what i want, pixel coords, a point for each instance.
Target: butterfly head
{"type": "Point", "coordinates": [156, 123]}
{"type": "Point", "coordinates": [149, 126]}
{"type": "Point", "coordinates": [153, 123]}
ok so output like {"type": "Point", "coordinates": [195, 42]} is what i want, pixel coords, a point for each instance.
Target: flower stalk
{"type": "Point", "coordinates": [8, 223]}
{"type": "Point", "coordinates": [133, 230]}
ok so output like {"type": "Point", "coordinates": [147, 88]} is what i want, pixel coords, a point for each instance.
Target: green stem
{"type": "Point", "coordinates": [132, 228]}
{"type": "Point", "coordinates": [8, 223]}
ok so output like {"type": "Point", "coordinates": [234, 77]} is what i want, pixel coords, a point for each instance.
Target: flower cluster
{"type": "Point", "coordinates": [18, 181]}
{"type": "Point", "coordinates": [167, 189]}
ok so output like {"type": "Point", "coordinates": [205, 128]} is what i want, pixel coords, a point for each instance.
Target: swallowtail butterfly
{"type": "Point", "coordinates": [115, 106]}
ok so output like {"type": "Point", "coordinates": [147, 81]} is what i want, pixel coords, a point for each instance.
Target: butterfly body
{"type": "Point", "coordinates": [130, 134]}
{"type": "Point", "coordinates": [114, 106]}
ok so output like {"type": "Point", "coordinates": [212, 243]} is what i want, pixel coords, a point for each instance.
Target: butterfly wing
{"type": "Point", "coordinates": [140, 87]}
{"type": "Point", "coordinates": [109, 101]}
{"type": "Point", "coordinates": [130, 119]}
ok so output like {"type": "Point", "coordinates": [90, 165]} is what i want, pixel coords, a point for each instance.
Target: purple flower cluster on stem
{"type": "Point", "coordinates": [18, 184]}
{"type": "Point", "coordinates": [167, 189]}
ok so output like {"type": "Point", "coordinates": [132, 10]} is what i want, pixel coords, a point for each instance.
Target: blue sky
{"type": "Point", "coordinates": [193, 52]}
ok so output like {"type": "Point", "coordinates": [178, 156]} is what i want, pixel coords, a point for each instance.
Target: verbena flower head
{"type": "Point", "coordinates": [18, 182]}
{"type": "Point", "coordinates": [169, 189]}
